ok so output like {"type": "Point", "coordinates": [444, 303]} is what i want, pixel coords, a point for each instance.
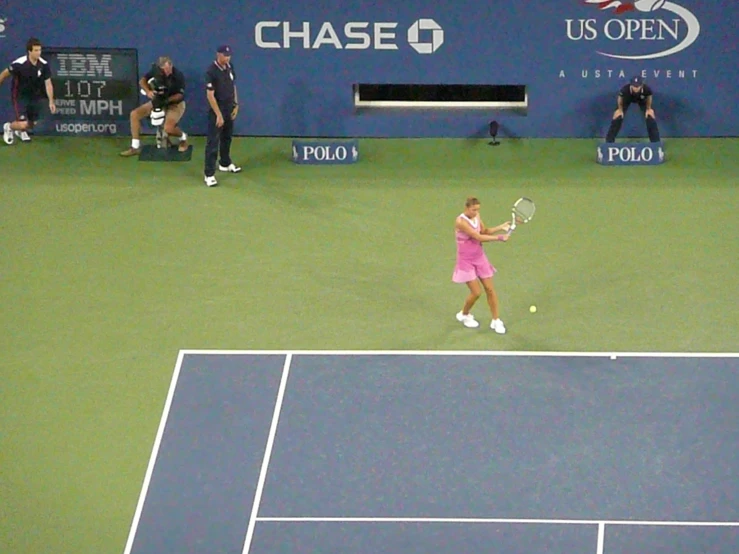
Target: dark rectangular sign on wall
{"type": "Point", "coordinates": [95, 90]}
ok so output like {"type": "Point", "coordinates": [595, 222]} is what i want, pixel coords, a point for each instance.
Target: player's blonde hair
{"type": "Point", "coordinates": [471, 201]}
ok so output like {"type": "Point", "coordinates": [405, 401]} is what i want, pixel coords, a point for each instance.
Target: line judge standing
{"type": "Point", "coordinates": [223, 102]}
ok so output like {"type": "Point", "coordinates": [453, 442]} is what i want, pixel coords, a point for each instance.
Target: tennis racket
{"type": "Point", "coordinates": [523, 211]}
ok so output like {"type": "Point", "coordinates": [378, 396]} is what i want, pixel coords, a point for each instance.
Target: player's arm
{"type": "Point", "coordinates": [648, 110]}
{"type": "Point", "coordinates": [623, 91]}
{"type": "Point", "coordinates": [144, 84]}
{"type": "Point", "coordinates": [50, 94]}
{"type": "Point", "coordinates": [210, 95]}
{"type": "Point", "coordinates": [179, 88]}
{"type": "Point", "coordinates": [235, 111]}
{"type": "Point", "coordinates": [503, 227]}
{"type": "Point", "coordinates": [176, 97]}
{"type": "Point", "coordinates": [49, 88]}
{"type": "Point", "coordinates": [463, 226]}
{"type": "Point", "coordinates": [236, 92]}
{"type": "Point", "coordinates": [11, 70]}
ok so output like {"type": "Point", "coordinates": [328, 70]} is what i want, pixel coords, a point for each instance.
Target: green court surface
{"type": "Point", "coordinates": [110, 266]}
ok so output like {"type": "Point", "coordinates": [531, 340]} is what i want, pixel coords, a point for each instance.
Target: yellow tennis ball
{"type": "Point", "coordinates": [532, 309]}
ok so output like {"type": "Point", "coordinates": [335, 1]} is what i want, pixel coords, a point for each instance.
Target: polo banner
{"type": "Point", "coordinates": [325, 152]}
{"type": "Point", "coordinates": [630, 153]}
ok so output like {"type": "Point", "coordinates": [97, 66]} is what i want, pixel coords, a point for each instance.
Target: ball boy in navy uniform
{"type": "Point", "coordinates": [223, 102]}
{"type": "Point", "coordinates": [31, 88]}
{"type": "Point", "coordinates": [636, 92]}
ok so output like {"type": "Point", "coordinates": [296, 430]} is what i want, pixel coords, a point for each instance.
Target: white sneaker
{"type": "Point", "coordinates": [232, 168]}
{"type": "Point", "coordinates": [211, 181]}
{"type": "Point", "coordinates": [467, 320]}
{"type": "Point", "coordinates": [497, 326]}
{"type": "Point", "coordinates": [8, 134]}
{"type": "Point", "coordinates": [23, 135]}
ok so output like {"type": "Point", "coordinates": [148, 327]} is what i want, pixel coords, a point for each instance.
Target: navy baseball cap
{"type": "Point", "coordinates": [637, 81]}
{"type": "Point", "coordinates": [224, 49]}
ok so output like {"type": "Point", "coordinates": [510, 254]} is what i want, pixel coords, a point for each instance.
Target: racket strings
{"type": "Point", "coordinates": [525, 213]}
{"type": "Point", "coordinates": [522, 212]}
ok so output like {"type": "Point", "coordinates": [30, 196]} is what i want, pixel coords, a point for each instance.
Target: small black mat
{"type": "Point", "coordinates": [171, 154]}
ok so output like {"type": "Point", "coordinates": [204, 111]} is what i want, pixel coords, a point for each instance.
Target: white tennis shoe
{"type": "Point", "coordinates": [467, 320]}
{"type": "Point", "coordinates": [497, 326]}
{"type": "Point", "coordinates": [8, 136]}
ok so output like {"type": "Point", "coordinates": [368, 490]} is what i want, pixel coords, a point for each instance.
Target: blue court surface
{"type": "Point", "coordinates": [445, 453]}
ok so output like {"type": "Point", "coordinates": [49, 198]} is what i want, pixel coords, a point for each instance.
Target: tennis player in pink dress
{"type": "Point", "coordinates": [473, 265]}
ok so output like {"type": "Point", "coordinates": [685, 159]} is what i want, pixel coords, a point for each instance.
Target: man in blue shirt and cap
{"type": "Point", "coordinates": [634, 92]}
{"type": "Point", "coordinates": [223, 102]}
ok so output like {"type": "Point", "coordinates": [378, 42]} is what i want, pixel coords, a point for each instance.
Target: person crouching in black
{"type": "Point", "coordinates": [634, 92]}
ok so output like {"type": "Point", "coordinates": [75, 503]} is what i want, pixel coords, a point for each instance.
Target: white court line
{"type": "Point", "coordinates": [290, 353]}
{"type": "Point", "coordinates": [154, 454]}
{"type": "Point", "coordinates": [459, 353]}
{"type": "Point", "coordinates": [267, 455]}
{"type": "Point", "coordinates": [601, 538]}
{"type": "Point", "coordinates": [498, 520]}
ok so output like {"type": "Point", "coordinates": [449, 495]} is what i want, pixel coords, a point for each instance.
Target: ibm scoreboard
{"type": "Point", "coordinates": [95, 90]}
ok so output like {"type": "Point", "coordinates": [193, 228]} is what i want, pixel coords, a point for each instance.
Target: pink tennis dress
{"type": "Point", "coordinates": [472, 263]}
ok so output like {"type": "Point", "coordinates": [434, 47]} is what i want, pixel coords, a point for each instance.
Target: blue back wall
{"type": "Point", "coordinates": [562, 50]}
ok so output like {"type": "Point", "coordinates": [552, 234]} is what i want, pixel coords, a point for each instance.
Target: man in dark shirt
{"type": "Point", "coordinates": [635, 92]}
{"type": "Point", "coordinates": [223, 102]}
{"type": "Point", "coordinates": [31, 87]}
{"type": "Point", "coordinates": [164, 86]}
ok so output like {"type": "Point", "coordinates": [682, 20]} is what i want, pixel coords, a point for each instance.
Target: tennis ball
{"type": "Point", "coordinates": [532, 309]}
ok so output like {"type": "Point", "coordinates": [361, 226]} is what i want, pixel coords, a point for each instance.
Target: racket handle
{"type": "Point", "coordinates": [514, 218]}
